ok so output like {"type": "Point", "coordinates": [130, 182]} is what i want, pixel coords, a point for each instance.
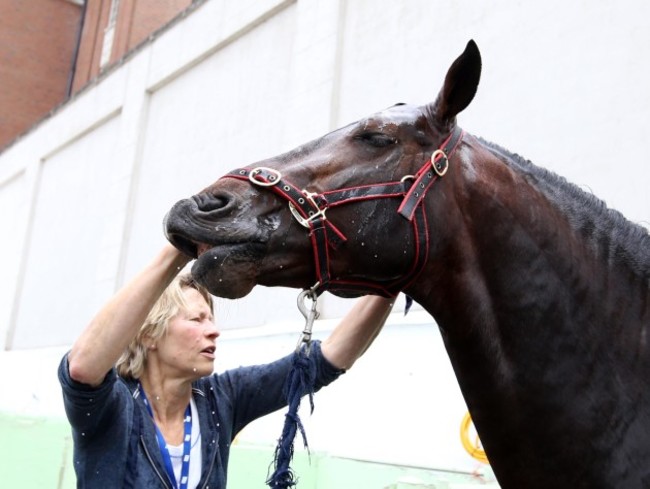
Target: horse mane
{"type": "Point", "coordinates": [605, 229]}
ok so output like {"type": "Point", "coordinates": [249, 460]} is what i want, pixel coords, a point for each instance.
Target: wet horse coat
{"type": "Point", "coordinates": [542, 294]}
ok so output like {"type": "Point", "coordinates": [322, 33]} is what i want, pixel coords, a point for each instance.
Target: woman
{"type": "Point", "coordinates": [146, 410]}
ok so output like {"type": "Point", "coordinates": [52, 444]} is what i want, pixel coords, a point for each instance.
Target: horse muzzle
{"type": "Point", "coordinates": [177, 227]}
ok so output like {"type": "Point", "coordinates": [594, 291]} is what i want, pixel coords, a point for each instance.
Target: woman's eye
{"type": "Point", "coordinates": [377, 140]}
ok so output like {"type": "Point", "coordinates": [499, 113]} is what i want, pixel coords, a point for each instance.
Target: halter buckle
{"type": "Point", "coordinates": [273, 178]}
{"type": "Point", "coordinates": [440, 170]}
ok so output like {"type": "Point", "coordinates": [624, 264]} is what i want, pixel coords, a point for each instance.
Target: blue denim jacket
{"type": "Point", "coordinates": [114, 437]}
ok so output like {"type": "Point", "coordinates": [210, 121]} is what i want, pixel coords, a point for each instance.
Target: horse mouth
{"type": "Point", "coordinates": [197, 249]}
{"type": "Point", "coordinates": [187, 246]}
{"type": "Point", "coordinates": [202, 248]}
{"type": "Point", "coordinates": [228, 270]}
{"type": "Point", "coordinates": [198, 246]}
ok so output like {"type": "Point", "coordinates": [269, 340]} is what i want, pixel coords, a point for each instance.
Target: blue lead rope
{"type": "Point", "coordinates": [409, 303]}
{"type": "Point", "coordinates": [300, 382]}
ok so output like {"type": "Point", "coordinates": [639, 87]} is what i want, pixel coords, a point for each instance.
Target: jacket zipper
{"type": "Point", "coordinates": [144, 445]}
{"type": "Point", "coordinates": [207, 479]}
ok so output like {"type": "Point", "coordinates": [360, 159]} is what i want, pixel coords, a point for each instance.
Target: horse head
{"type": "Point", "coordinates": [340, 213]}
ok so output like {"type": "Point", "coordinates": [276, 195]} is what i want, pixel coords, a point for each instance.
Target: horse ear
{"type": "Point", "coordinates": [460, 86]}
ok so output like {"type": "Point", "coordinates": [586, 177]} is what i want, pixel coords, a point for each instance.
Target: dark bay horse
{"type": "Point", "coordinates": [541, 292]}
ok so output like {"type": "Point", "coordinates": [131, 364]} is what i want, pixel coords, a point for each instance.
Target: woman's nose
{"type": "Point", "coordinates": [211, 330]}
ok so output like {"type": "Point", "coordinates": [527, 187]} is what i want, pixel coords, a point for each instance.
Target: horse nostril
{"type": "Point", "coordinates": [209, 202]}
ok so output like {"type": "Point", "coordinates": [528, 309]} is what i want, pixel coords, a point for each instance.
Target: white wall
{"type": "Point", "coordinates": [82, 196]}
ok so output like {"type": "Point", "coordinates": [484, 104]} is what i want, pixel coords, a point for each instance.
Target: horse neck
{"type": "Point", "coordinates": [530, 313]}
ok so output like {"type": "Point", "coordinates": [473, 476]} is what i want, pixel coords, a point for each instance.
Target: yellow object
{"type": "Point", "coordinates": [474, 449]}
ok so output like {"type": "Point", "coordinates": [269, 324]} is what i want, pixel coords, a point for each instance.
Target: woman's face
{"type": "Point", "coordinates": [188, 348]}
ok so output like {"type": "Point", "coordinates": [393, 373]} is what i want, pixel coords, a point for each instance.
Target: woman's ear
{"type": "Point", "coordinates": [148, 342]}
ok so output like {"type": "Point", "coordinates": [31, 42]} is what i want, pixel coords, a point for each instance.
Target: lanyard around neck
{"type": "Point", "coordinates": [187, 445]}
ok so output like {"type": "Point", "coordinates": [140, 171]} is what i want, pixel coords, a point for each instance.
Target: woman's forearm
{"type": "Point", "coordinates": [356, 331]}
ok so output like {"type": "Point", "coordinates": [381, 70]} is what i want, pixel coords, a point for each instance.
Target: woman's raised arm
{"type": "Point", "coordinates": [102, 342]}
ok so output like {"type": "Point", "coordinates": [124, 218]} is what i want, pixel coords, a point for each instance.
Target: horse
{"type": "Point", "coordinates": [541, 292]}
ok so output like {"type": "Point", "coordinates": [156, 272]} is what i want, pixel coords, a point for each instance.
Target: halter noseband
{"type": "Point", "coordinates": [309, 210]}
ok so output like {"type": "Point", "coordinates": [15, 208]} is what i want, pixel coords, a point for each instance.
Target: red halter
{"type": "Point", "coordinates": [309, 210]}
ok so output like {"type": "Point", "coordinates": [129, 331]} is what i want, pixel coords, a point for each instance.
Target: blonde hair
{"type": "Point", "coordinates": [133, 360]}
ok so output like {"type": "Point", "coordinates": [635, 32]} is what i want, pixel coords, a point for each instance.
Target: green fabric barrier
{"type": "Point", "coordinates": [249, 467]}
{"type": "Point", "coordinates": [36, 453]}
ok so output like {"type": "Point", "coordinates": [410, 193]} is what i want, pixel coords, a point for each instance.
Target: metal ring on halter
{"type": "Point", "coordinates": [407, 177]}
{"type": "Point", "coordinates": [305, 221]}
{"type": "Point", "coordinates": [273, 179]}
{"type": "Point", "coordinates": [440, 172]}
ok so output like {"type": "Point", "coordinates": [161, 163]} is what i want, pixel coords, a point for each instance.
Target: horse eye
{"type": "Point", "coordinates": [377, 139]}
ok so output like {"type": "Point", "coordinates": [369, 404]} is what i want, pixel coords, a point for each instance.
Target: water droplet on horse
{"type": "Point", "coordinates": [375, 256]}
{"type": "Point", "coordinates": [194, 370]}
{"type": "Point", "coordinates": [281, 267]}
{"type": "Point", "coordinates": [157, 398]}
{"type": "Point", "coordinates": [363, 244]}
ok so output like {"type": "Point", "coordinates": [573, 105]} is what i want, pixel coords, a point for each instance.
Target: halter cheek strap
{"type": "Point", "coordinates": [309, 209]}
{"type": "Point", "coordinates": [436, 167]}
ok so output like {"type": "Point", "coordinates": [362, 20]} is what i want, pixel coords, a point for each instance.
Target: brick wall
{"type": "Point", "coordinates": [96, 18]}
{"type": "Point", "coordinates": [37, 41]}
{"type": "Point", "coordinates": [37, 46]}
{"type": "Point", "coordinates": [136, 20]}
